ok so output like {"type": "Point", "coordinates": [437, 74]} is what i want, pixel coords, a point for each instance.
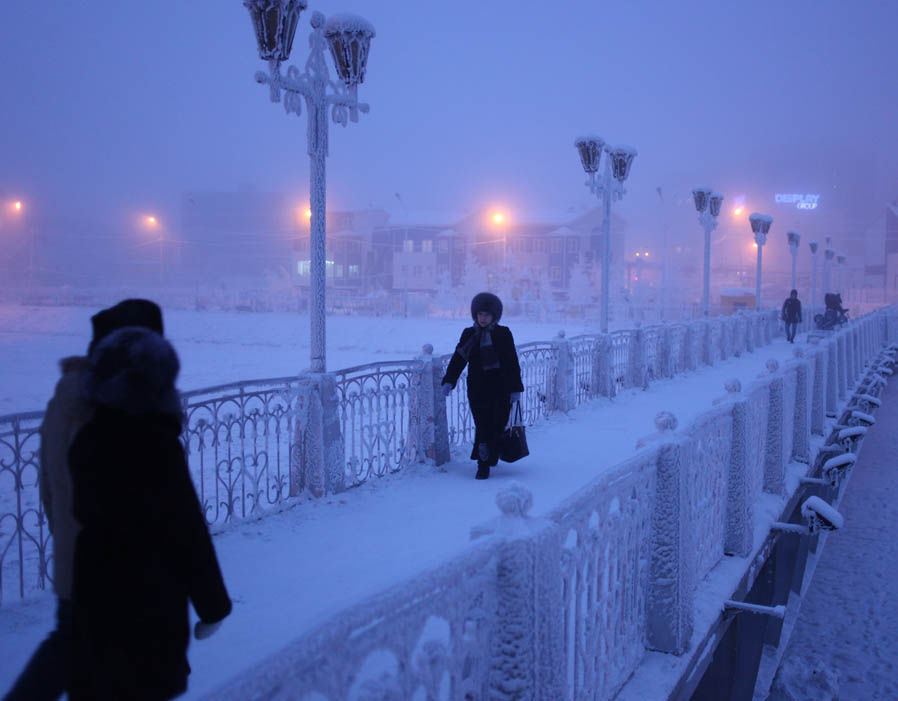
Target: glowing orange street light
{"type": "Point", "coordinates": [498, 218]}
{"type": "Point", "coordinates": [738, 211]}
{"type": "Point", "coordinates": [307, 213]}
{"type": "Point", "coordinates": [151, 221]}
{"type": "Point", "coordinates": [18, 206]}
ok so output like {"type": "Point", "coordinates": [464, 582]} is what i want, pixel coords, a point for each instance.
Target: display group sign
{"type": "Point", "coordinates": [800, 201]}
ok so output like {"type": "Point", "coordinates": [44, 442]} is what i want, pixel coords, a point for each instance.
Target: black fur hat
{"type": "Point", "coordinates": [486, 302]}
{"type": "Point", "coordinates": [129, 312]}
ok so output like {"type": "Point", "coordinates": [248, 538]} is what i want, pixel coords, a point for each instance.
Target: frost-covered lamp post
{"type": "Point", "coordinates": [348, 38]}
{"type": "Point", "coordinates": [794, 239]}
{"type": "Point", "coordinates": [828, 256]}
{"type": "Point", "coordinates": [707, 204]}
{"type": "Point", "coordinates": [813, 246]}
{"type": "Point", "coordinates": [760, 226]}
{"type": "Point", "coordinates": [609, 185]}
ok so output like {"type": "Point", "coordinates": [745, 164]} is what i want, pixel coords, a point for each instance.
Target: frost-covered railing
{"type": "Point", "coordinates": [565, 606]}
{"type": "Point", "coordinates": [375, 403]}
{"type": "Point", "coordinates": [251, 445]}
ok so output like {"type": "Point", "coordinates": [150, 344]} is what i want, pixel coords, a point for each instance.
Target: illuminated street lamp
{"type": "Point", "coordinates": [813, 246]}
{"type": "Point", "coordinates": [794, 239]}
{"type": "Point", "coordinates": [707, 204]}
{"type": "Point", "coordinates": [17, 205]}
{"type": "Point", "coordinates": [828, 255]}
{"type": "Point", "coordinates": [348, 39]}
{"type": "Point", "coordinates": [760, 226]}
{"type": "Point", "coordinates": [610, 184]}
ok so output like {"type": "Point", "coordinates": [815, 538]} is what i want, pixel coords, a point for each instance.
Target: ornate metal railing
{"type": "Point", "coordinates": [538, 365]}
{"type": "Point", "coordinates": [585, 350]}
{"type": "Point", "coordinates": [25, 549]}
{"type": "Point", "coordinates": [620, 358]}
{"type": "Point", "coordinates": [375, 410]}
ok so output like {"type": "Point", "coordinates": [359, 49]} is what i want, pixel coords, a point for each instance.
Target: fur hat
{"type": "Point", "coordinates": [134, 369]}
{"type": "Point", "coordinates": [486, 302]}
{"type": "Point", "coordinates": [129, 312]}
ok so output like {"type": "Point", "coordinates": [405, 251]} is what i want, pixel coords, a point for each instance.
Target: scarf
{"type": "Point", "coordinates": [489, 359]}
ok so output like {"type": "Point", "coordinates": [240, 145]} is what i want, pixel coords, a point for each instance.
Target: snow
{"type": "Point", "coordinates": [816, 505]}
{"type": "Point", "coordinates": [845, 641]}
{"type": "Point", "coordinates": [345, 22]}
{"type": "Point", "coordinates": [314, 560]}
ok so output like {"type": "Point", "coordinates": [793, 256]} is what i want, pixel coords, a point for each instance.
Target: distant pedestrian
{"type": "Point", "coordinates": [792, 315]}
{"type": "Point", "coordinates": [494, 377]}
{"type": "Point", "coordinates": [144, 549]}
{"type": "Point", "coordinates": [46, 674]}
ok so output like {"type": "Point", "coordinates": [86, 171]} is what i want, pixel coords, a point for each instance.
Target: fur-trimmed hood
{"type": "Point", "coordinates": [133, 370]}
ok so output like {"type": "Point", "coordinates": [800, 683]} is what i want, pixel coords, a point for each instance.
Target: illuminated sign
{"type": "Point", "coordinates": [800, 201]}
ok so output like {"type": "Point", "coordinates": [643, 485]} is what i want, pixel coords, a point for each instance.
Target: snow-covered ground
{"type": "Point", "coordinates": [220, 347]}
{"type": "Point", "coordinates": [845, 642]}
{"type": "Point", "coordinates": [291, 571]}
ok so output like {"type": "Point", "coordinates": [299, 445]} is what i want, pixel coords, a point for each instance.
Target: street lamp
{"type": "Point", "coordinates": [617, 164]}
{"type": "Point", "coordinates": [828, 256]}
{"type": "Point", "coordinates": [813, 246]}
{"type": "Point", "coordinates": [707, 204]}
{"type": "Point", "coordinates": [794, 239]}
{"type": "Point", "coordinates": [348, 38]}
{"type": "Point", "coordinates": [760, 226]}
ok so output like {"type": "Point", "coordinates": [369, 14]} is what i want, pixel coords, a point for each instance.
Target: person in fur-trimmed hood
{"type": "Point", "coordinates": [494, 377]}
{"type": "Point", "coordinates": [45, 676]}
{"type": "Point", "coordinates": [144, 549]}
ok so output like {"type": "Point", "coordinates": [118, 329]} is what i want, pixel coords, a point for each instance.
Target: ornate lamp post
{"type": "Point", "coordinates": [813, 246]}
{"type": "Point", "coordinates": [828, 255]}
{"type": "Point", "coordinates": [794, 240]}
{"type": "Point", "coordinates": [609, 185]}
{"type": "Point", "coordinates": [707, 204]}
{"type": "Point", "coordinates": [760, 226]}
{"type": "Point", "coordinates": [348, 38]}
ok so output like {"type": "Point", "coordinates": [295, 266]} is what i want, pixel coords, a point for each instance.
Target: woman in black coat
{"type": "Point", "coordinates": [144, 549]}
{"type": "Point", "coordinates": [494, 377]}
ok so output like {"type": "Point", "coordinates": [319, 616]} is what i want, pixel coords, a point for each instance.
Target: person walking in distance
{"type": "Point", "coordinates": [494, 377]}
{"type": "Point", "coordinates": [144, 550]}
{"type": "Point", "coordinates": [46, 674]}
{"type": "Point", "coordinates": [792, 315]}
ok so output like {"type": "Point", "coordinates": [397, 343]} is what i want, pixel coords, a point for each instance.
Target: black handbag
{"type": "Point", "coordinates": [513, 443]}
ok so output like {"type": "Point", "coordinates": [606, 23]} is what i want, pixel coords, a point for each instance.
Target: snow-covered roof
{"type": "Point", "coordinates": [563, 231]}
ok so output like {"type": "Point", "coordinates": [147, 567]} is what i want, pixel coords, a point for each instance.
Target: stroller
{"type": "Point", "coordinates": [834, 315]}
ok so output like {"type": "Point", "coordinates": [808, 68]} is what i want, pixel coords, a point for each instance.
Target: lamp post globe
{"type": "Point", "coordinates": [617, 164]}
{"type": "Point", "coordinates": [348, 40]}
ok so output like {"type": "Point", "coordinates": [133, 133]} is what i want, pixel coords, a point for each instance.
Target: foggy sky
{"type": "Point", "coordinates": [113, 108]}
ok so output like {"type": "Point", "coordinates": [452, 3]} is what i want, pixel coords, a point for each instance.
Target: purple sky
{"type": "Point", "coordinates": [116, 107]}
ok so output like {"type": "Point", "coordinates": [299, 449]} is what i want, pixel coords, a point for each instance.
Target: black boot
{"type": "Point", "coordinates": [483, 471]}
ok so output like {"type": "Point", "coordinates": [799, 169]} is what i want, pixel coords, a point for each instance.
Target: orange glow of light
{"type": "Point", "coordinates": [151, 221]}
{"type": "Point", "coordinates": [646, 254]}
{"type": "Point", "coordinates": [637, 254]}
{"type": "Point", "coordinates": [754, 245]}
{"type": "Point", "coordinates": [738, 211]}
{"type": "Point", "coordinates": [307, 213]}
{"type": "Point", "coordinates": [498, 218]}
{"type": "Point", "coordinates": [18, 206]}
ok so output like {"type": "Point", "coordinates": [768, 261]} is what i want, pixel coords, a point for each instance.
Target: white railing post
{"type": "Point", "coordinates": [321, 464]}
{"type": "Point", "coordinates": [801, 433]}
{"type": "Point", "coordinates": [428, 424]}
{"type": "Point", "coordinates": [842, 365]}
{"type": "Point", "coordinates": [832, 377]}
{"type": "Point", "coordinates": [818, 402]}
{"type": "Point", "coordinates": [636, 359]}
{"type": "Point", "coordinates": [565, 394]}
{"type": "Point", "coordinates": [740, 531]}
{"type": "Point", "coordinates": [774, 459]}
{"type": "Point", "coordinates": [669, 605]}
{"type": "Point", "coordinates": [605, 361]}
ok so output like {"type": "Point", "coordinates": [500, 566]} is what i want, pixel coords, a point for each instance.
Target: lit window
{"type": "Point", "coordinates": [303, 267]}
{"type": "Point", "coordinates": [408, 245]}
{"type": "Point", "coordinates": [339, 271]}
{"type": "Point", "coordinates": [353, 271]}
{"type": "Point", "coordinates": [427, 246]}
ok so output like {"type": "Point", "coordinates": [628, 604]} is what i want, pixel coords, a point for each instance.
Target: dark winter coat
{"type": "Point", "coordinates": [510, 369]}
{"type": "Point", "coordinates": [144, 549]}
{"type": "Point", "coordinates": [792, 310]}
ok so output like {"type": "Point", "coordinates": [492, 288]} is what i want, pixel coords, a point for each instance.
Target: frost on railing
{"type": "Point", "coordinates": [651, 339]}
{"type": "Point", "coordinates": [677, 335]}
{"type": "Point", "coordinates": [538, 365]}
{"type": "Point", "coordinates": [374, 404]}
{"type": "Point", "coordinates": [620, 359]}
{"type": "Point", "coordinates": [717, 341]}
{"type": "Point", "coordinates": [239, 440]}
{"type": "Point", "coordinates": [429, 638]}
{"type": "Point", "coordinates": [585, 350]}
{"type": "Point", "coordinates": [605, 560]}
{"type": "Point", "coordinates": [25, 543]}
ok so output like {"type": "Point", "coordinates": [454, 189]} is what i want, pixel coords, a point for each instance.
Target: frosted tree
{"type": "Point", "coordinates": [581, 291]}
{"type": "Point", "coordinates": [474, 279]}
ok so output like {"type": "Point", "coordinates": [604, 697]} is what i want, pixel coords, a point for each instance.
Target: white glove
{"type": "Point", "coordinates": [514, 397]}
{"type": "Point", "coordinates": [447, 388]}
{"type": "Point", "coordinates": [201, 630]}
